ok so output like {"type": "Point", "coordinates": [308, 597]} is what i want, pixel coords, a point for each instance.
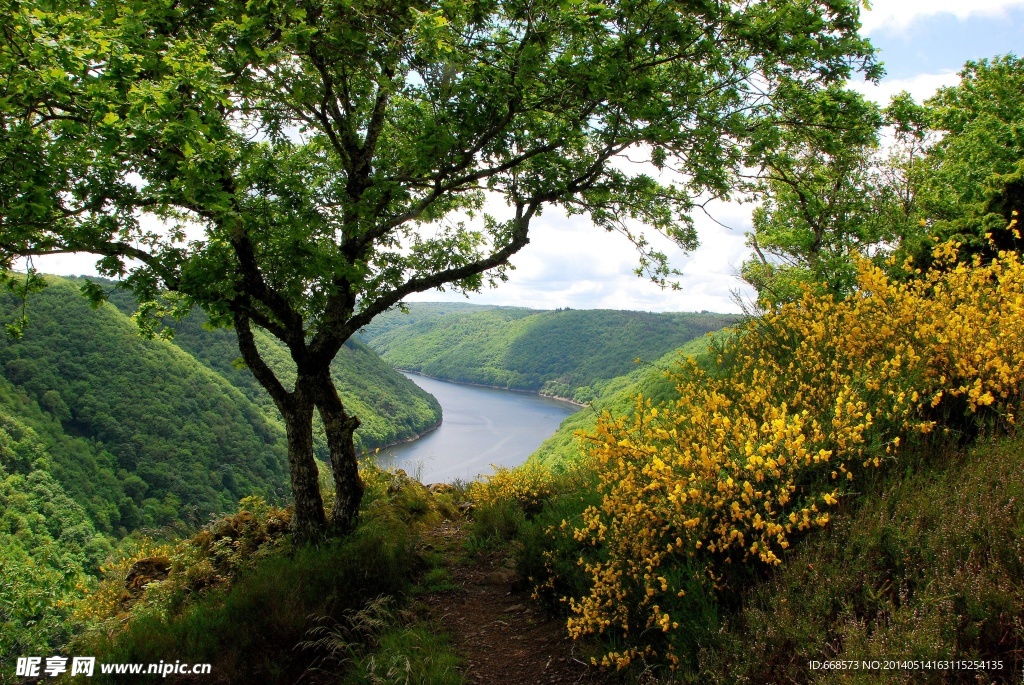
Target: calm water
{"type": "Point", "coordinates": [482, 426]}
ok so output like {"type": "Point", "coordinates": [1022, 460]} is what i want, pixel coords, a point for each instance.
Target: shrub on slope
{"type": "Point", "coordinates": [697, 500]}
{"type": "Point", "coordinates": [750, 457]}
{"type": "Point", "coordinates": [928, 567]}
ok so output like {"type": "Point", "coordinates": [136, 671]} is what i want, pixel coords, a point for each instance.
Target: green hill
{"type": "Point", "coordinates": [150, 432]}
{"type": "Point", "coordinates": [568, 353]}
{"type": "Point", "coordinates": [617, 397]}
{"type": "Point", "coordinates": [181, 442]}
{"type": "Point", "coordinates": [391, 408]}
{"type": "Point", "coordinates": [48, 544]}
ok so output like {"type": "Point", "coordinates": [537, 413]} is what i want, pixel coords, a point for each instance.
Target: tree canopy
{"type": "Point", "coordinates": [953, 170]}
{"type": "Point", "coordinates": [971, 183]}
{"type": "Point", "coordinates": [314, 163]}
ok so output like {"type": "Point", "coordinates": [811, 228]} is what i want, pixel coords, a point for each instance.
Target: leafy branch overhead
{"type": "Point", "coordinates": [312, 164]}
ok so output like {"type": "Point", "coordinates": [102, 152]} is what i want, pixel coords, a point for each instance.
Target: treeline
{"type": "Point", "coordinates": [568, 353]}
{"type": "Point", "coordinates": [954, 170]}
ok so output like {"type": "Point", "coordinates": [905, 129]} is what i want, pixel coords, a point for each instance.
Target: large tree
{"type": "Point", "coordinates": [315, 162]}
{"type": "Point", "coordinates": [829, 193]}
{"type": "Point", "coordinates": [972, 179]}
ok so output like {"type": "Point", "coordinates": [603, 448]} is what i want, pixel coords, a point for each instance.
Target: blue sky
{"type": "Point", "coordinates": [943, 42]}
{"type": "Point", "coordinates": [569, 263]}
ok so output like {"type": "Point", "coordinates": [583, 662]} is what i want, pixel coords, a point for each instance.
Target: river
{"type": "Point", "coordinates": [481, 427]}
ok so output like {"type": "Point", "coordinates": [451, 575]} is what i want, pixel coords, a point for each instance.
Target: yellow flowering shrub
{"type": "Point", "coordinates": [758, 450]}
{"type": "Point", "coordinates": [528, 485]}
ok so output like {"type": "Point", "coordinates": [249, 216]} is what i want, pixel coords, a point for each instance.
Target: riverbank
{"type": "Point", "coordinates": [403, 441]}
{"type": "Point", "coordinates": [483, 427]}
{"type": "Point", "coordinates": [558, 398]}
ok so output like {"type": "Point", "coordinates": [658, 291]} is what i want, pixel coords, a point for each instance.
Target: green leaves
{"type": "Point", "coordinates": [968, 171]}
{"type": "Point", "coordinates": [303, 170]}
{"type": "Point", "coordinates": [827, 196]}
{"type": "Point", "coordinates": [313, 145]}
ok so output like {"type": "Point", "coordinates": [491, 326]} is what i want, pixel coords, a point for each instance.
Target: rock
{"type": "Point", "coordinates": [502, 576]}
{"type": "Point", "coordinates": [233, 526]}
{"type": "Point", "coordinates": [146, 571]}
{"type": "Point", "coordinates": [440, 488]}
{"type": "Point", "coordinates": [400, 480]}
{"type": "Point", "coordinates": [514, 608]}
{"type": "Point", "coordinates": [465, 507]}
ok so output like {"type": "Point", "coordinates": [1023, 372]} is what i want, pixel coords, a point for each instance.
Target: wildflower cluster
{"type": "Point", "coordinates": [529, 486]}
{"type": "Point", "coordinates": [759, 449]}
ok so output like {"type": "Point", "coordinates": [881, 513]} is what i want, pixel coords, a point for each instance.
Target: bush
{"type": "Point", "coordinates": [698, 494]}
{"type": "Point", "coordinates": [238, 595]}
{"type": "Point", "coordinates": [930, 566]}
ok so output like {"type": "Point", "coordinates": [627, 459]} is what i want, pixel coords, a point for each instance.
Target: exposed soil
{"type": "Point", "coordinates": [504, 637]}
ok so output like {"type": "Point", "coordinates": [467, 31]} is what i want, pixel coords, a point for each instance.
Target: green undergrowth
{"type": "Point", "coordinates": [240, 596]}
{"type": "Point", "coordinates": [925, 564]}
{"type": "Point", "coordinates": [928, 566]}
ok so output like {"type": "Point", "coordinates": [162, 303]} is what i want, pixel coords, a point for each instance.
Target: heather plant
{"type": "Point", "coordinates": [510, 503]}
{"type": "Point", "coordinates": [187, 598]}
{"type": "Point", "coordinates": [928, 566]}
{"type": "Point", "coordinates": [806, 400]}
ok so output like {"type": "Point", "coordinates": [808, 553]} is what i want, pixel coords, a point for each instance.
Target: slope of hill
{"type": "Point", "coordinates": [617, 398]}
{"type": "Point", "coordinates": [48, 543]}
{"type": "Point", "coordinates": [149, 432]}
{"type": "Point", "coordinates": [390, 407]}
{"type": "Point", "coordinates": [181, 441]}
{"type": "Point", "coordinates": [567, 353]}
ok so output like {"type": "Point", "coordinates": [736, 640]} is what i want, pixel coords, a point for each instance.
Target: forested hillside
{"type": "Point", "coordinates": [181, 442]}
{"type": "Point", "coordinates": [48, 542]}
{"type": "Point", "coordinates": [147, 432]}
{"type": "Point", "coordinates": [389, 406]}
{"type": "Point", "coordinates": [567, 353]}
{"type": "Point", "coordinates": [653, 381]}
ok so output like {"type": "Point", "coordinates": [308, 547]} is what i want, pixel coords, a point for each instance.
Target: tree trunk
{"type": "Point", "coordinates": [340, 428]}
{"type": "Point", "coordinates": [308, 520]}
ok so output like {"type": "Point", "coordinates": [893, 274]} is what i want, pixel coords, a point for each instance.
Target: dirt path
{"type": "Point", "coordinates": [504, 637]}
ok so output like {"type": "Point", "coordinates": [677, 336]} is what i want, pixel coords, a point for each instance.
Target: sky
{"type": "Point", "coordinates": [570, 263]}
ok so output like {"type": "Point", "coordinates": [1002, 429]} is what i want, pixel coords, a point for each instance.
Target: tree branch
{"type": "Point", "coordinates": [259, 368]}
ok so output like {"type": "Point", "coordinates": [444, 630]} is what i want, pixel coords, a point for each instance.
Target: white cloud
{"type": "Point", "coordinates": [571, 263]}
{"type": "Point", "coordinates": [921, 86]}
{"type": "Point", "coordinates": [74, 264]}
{"type": "Point", "coordinates": [899, 15]}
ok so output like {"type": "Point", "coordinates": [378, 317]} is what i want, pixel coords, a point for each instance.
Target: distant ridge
{"type": "Point", "coordinates": [565, 353]}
